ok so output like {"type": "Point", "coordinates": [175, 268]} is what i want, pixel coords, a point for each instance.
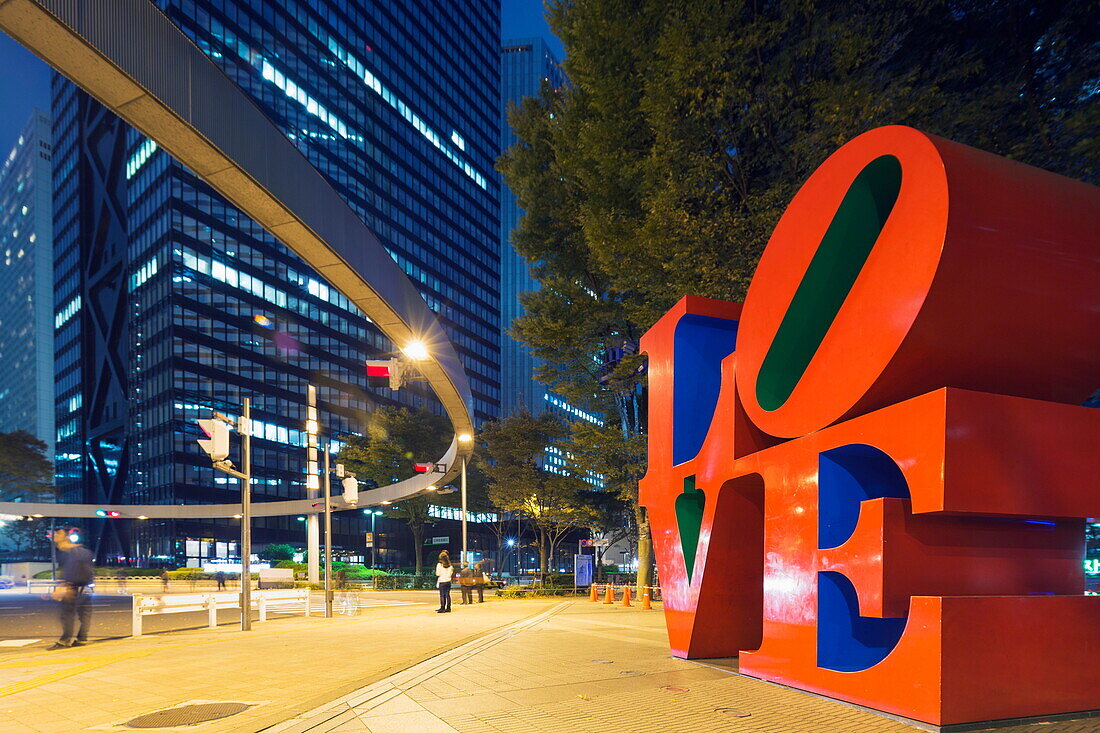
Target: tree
{"type": "Point", "coordinates": [29, 536]}
{"type": "Point", "coordinates": [277, 553]}
{"type": "Point", "coordinates": [25, 471]}
{"type": "Point", "coordinates": [396, 438]}
{"type": "Point", "coordinates": [686, 128]}
{"type": "Point", "coordinates": [519, 480]}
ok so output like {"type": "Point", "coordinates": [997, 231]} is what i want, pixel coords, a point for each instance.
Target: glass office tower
{"type": "Point", "coordinates": [26, 283]}
{"type": "Point", "coordinates": [397, 105]}
{"type": "Point", "coordinates": [526, 64]}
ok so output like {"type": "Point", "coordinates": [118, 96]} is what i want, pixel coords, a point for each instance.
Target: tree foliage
{"type": "Point", "coordinates": [25, 471]}
{"type": "Point", "coordinates": [686, 128]}
{"type": "Point", "coordinates": [519, 480]}
{"type": "Point", "coordinates": [277, 553]}
{"type": "Point", "coordinates": [395, 439]}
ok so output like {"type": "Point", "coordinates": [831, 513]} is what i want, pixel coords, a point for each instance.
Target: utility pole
{"type": "Point", "coordinates": [246, 516]}
{"type": "Point", "coordinates": [465, 558]}
{"type": "Point", "coordinates": [216, 445]}
{"type": "Point", "coordinates": [313, 538]}
{"type": "Point", "coordinates": [328, 537]}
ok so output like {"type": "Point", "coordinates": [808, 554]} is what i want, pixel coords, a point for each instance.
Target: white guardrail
{"type": "Point", "coordinates": [263, 600]}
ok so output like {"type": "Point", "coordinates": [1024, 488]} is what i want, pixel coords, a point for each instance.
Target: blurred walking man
{"type": "Point", "coordinates": [77, 573]}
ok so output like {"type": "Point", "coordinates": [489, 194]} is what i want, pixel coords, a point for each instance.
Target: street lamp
{"type": "Point", "coordinates": [464, 439]}
{"type": "Point", "coordinates": [373, 538]}
{"type": "Point", "coordinates": [416, 350]}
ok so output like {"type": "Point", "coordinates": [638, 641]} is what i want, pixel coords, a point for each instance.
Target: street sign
{"type": "Point", "coordinates": [438, 541]}
{"type": "Point", "coordinates": [595, 543]}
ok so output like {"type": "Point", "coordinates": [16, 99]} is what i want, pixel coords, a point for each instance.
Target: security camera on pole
{"type": "Point", "coordinates": [216, 445]}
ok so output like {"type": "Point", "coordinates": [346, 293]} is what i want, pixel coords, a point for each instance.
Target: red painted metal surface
{"type": "Point", "coordinates": [959, 512]}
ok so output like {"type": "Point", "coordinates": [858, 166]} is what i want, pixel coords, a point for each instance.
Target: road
{"type": "Point", "coordinates": [26, 617]}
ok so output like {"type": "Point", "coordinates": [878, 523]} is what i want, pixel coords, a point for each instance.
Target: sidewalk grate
{"type": "Point", "coordinates": [187, 715]}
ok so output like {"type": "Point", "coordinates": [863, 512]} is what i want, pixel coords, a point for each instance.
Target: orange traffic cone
{"type": "Point", "coordinates": [645, 600]}
{"type": "Point", "coordinates": [626, 597]}
{"type": "Point", "coordinates": [610, 597]}
{"type": "Point", "coordinates": [593, 594]}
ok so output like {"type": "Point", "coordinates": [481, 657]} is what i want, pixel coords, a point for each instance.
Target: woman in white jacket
{"type": "Point", "coordinates": [444, 571]}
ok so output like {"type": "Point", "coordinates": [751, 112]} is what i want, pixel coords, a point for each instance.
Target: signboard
{"type": "Point", "coordinates": [583, 566]}
{"type": "Point", "coordinates": [1092, 567]}
{"type": "Point", "coordinates": [370, 539]}
{"type": "Point", "coordinates": [438, 541]}
{"type": "Point", "coordinates": [595, 543]}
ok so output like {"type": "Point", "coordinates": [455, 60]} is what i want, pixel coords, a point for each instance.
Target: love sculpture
{"type": "Point", "coordinates": [871, 480]}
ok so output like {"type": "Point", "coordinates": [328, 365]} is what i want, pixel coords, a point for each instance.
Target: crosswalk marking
{"type": "Point", "coordinates": [18, 642]}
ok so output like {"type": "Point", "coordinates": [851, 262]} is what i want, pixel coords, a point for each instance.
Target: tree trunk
{"type": "Point", "coordinates": [645, 549]}
{"type": "Point", "coordinates": [542, 541]}
{"type": "Point", "coordinates": [418, 545]}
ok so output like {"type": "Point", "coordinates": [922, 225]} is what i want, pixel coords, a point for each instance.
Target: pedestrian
{"type": "Point", "coordinates": [220, 577]}
{"type": "Point", "coordinates": [341, 579]}
{"type": "Point", "coordinates": [466, 584]}
{"type": "Point", "coordinates": [480, 581]}
{"type": "Point", "coordinates": [121, 576]}
{"type": "Point", "coordinates": [444, 571]}
{"type": "Point", "coordinates": [164, 581]}
{"type": "Point", "coordinates": [77, 572]}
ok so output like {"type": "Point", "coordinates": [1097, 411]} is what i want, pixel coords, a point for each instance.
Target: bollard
{"type": "Point", "coordinates": [645, 600]}
{"type": "Point", "coordinates": [626, 597]}
{"type": "Point", "coordinates": [212, 611]}
{"type": "Point", "coordinates": [263, 607]}
{"type": "Point", "coordinates": [593, 595]}
{"type": "Point", "coordinates": [135, 629]}
{"type": "Point", "coordinates": [610, 597]}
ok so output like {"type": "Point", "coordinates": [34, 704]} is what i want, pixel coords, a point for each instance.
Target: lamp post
{"type": "Point", "coordinates": [373, 536]}
{"type": "Point", "coordinates": [328, 536]}
{"type": "Point", "coordinates": [464, 440]}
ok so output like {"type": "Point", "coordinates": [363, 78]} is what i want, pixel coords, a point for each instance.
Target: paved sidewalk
{"type": "Point", "coordinates": [581, 668]}
{"type": "Point", "coordinates": [282, 667]}
{"type": "Point", "coordinates": [502, 667]}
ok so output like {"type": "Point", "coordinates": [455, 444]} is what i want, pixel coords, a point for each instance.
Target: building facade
{"type": "Point", "coordinates": [26, 283]}
{"type": "Point", "coordinates": [397, 107]}
{"type": "Point", "coordinates": [526, 64]}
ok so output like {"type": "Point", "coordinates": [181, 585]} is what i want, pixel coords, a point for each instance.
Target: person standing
{"type": "Point", "coordinates": [220, 577]}
{"type": "Point", "coordinates": [444, 572]}
{"type": "Point", "coordinates": [164, 582]}
{"type": "Point", "coordinates": [77, 573]}
{"type": "Point", "coordinates": [480, 581]}
{"type": "Point", "coordinates": [466, 584]}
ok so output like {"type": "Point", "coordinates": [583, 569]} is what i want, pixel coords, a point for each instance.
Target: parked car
{"type": "Point", "coordinates": [6, 581]}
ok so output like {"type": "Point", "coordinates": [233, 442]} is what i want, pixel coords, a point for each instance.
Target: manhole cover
{"type": "Point", "coordinates": [674, 688]}
{"type": "Point", "coordinates": [733, 712]}
{"type": "Point", "coordinates": [187, 715]}
{"type": "Point", "coordinates": [602, 661]}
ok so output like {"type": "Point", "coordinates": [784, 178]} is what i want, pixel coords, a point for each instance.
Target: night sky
{"type": "Point", "coordinates": [25, 79]}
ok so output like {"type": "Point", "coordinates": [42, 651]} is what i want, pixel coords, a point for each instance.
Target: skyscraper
{"type": "Point", "coordinates": [26, 283]}
{"type": "Point", "coordinates": [526, 64]}
{"type": "Point", "coordinates": [397, 106]}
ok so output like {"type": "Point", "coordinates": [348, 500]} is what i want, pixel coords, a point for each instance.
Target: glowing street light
{"type": "Point", "coordinates": [416, 350]}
